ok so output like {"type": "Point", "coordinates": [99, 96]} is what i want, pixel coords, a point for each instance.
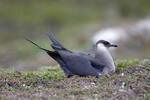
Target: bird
{"type": "Point", "coordinates": [81, 64]}
{"type": "Point", "coordinates": [102, 53]}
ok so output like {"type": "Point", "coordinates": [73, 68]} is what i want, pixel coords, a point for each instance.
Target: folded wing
{"type": "Point", "coordinates": [79, 64]}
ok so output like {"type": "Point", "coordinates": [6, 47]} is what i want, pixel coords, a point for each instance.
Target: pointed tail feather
{"type": "Point", "coordinates": [55, 56]}
{"type": "Point", "coordinates": [36, 44]}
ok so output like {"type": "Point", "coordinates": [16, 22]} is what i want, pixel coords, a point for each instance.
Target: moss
{"type": "Point", "coordinates": [126, 62]}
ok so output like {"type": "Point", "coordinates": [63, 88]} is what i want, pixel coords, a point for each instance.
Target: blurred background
{"type": "Point", "coordinates": [77, 24]}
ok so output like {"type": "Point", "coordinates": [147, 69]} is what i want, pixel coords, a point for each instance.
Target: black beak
{"type": "Point", "coordinates": [113, 45]}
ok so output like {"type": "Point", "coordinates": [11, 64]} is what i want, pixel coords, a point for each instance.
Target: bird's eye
{"type": "Point", "coordinates": [106, 43]}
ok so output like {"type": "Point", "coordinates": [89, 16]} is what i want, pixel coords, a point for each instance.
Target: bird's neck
{"type": "Point", "coordinates": [103, 54]}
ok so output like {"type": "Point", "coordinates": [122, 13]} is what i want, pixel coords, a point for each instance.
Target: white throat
{"type": "Point", "coordinates": [101, 47]}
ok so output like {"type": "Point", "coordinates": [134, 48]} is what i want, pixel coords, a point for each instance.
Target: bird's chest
{"type": "Point", "coordinates": [104, 57]}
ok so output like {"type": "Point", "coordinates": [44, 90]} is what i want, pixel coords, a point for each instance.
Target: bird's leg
{"type": "Point", "coordinates": [68, 76]}
{"type": "Point", "coordinates": [97, 77]}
